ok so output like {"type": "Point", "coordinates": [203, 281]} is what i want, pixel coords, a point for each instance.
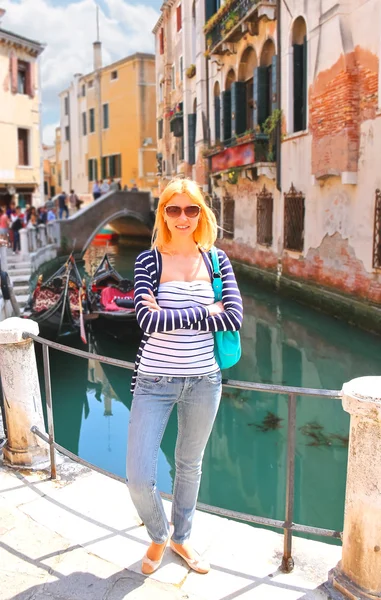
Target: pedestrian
{"type": "Point", "coordinates": [134, 188]}
{"type": "Point", "coordinates": [74, 201]}
{"type": "Point", "coordinates": [4, 225]}
{"type": "Point", "coordinates": [26, 214]}
{"type": "Point", "coordinates": [125, 188]}
{"type": "Point", "coordinates": [114, 186]}
{"type": "Point", "coordinates": [62, 205]}
{"type": "Point", "coordinates": [51, 215]}
{"type": "Point", "coordinates": [119, 186]}
{"type": "Point", "coordinates": [16, 226]}
{"type": "Point", "coordinates": [42, 216]}
{"type": "Point", "coordinates": [105, 188]}
{"type": "Point", "coordinates": [176, 364]}
{"type": "Point", "coordinates": [96, 190]}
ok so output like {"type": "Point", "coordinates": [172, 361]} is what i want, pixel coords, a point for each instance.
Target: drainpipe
{"type": "Point", "coordinates": [208, 120]}
{"type": "Point", "coordinates": [278, 92]}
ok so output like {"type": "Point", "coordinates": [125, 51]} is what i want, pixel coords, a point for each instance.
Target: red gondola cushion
{"type": "Point", "coordinates": [108, 296]}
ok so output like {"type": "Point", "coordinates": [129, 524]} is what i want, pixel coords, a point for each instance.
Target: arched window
{"type": "Point", "coordinates": [265, 79]}
{"type": "Point", "coordinates": [242, 93]}
{"type": "Point", "coordinates": [299, 46]}
{"type": "Point", "coordinates": [226, 97]}
{"type": "Point", "coordinates": [217, 111]}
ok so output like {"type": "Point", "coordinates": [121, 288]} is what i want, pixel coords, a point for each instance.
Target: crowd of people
{"type": "Point", "coordinates": [102, 187]}
{"type": "Point", "coordinates": [14, 218]}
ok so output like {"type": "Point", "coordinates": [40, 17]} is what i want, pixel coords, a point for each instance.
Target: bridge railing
{"type": "Point", "coordinates": [34, 238]}
{"type": "Point", "coordinates": [287, 525]}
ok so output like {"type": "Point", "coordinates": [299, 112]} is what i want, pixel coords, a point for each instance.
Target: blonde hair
{"type": "Point", "coordinates": [206, 232]}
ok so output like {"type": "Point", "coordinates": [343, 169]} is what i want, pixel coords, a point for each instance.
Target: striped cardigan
{"type": "Point", "coordinates": [148, 267]}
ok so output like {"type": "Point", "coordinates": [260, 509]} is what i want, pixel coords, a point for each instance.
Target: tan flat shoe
{"type": "Point", "coordinates": [150, 566]}
{"type": "Point", "coordinates": [196, 564]}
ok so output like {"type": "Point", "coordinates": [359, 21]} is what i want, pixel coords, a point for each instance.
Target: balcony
{"type": "Point", "coordinates": [233, 20]}
{"type": "Point", "coordinates": [247, 151]}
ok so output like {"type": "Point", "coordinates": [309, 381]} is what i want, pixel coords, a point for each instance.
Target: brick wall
{"type": "Point", "coordinates": [340, 99]}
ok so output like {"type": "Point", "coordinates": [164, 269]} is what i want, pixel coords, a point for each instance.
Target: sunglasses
{"type": "Point", "coordinates": [174, 212]}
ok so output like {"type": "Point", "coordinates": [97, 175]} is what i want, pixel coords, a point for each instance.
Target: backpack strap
{"type": "Point", "coordinates": [217, 277]}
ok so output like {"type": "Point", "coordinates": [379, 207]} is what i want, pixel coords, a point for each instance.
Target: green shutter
{"type": "Point", "coordinates": [298, 87]}
{"type": "Point", "coordinates": [95, 164]}
{"type": "Point", "coordinates": [238, 107]}
{"type": "Point", "coordinates": [262, 98]}
{"type": "Point", "coordinates": [217, 117]}
{"type": "Point", "coordinates": [274, 79]}
{"type": "Point", "coordinates": [210, 8]}
{"type": "Point", "coordinates": [104, 167]}
{"type": "Point", "coordinates": [112, 166]}
{"type": "Point", "coordinates": [90, 169]}
{"type": "Point", "coordinates": [192, 138]}
{"type": "Point", "coordinates": [226, 115]}
{"type": "Point", "coordinates": [305, 85]}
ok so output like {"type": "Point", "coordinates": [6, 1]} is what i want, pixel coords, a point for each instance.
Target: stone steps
{"type": "Point", "coordinates": [21, 290]}
{"type": "Point", "coordinates": [18, 265]}
{"type": "Point", "coordinates": [22, 300]}
{"type": "Point", "coordinates": [19, 278]}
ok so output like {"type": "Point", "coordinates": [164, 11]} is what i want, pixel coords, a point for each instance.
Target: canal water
{"type": "Point", "coordinates": [245, 461]}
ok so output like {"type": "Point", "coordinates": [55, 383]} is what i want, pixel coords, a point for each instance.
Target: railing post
{"type": "Point", "coordinates": [49, 410]}
{"type": "Point", "coordinates": [22, 398]}
{"type": "Point", "coordinates": [287, 560]}
{"type": "Point", "coordinates": [358, 575]}
{"type": "Point", "coordinates": [24, 243]}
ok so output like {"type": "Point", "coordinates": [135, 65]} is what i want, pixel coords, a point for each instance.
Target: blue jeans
{"type": "Point", "coordinates": [197, 400]}
{"type": "Point", "coordinates": [64, 210]}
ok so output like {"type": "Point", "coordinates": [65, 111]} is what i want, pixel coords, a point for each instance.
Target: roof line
{"type": "Point", "coordinates": [22, 41]}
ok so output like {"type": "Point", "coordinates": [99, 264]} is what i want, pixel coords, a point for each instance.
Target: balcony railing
{"type": "Point", "coordinates": [242, 151]}
{"type": "Point", "coordinates": [233, 20]}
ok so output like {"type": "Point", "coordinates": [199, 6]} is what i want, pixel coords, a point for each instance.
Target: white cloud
{"type": "Point", "coordinates": [49, 133]}
{"type": "Point", "coordinates": [69, 32]}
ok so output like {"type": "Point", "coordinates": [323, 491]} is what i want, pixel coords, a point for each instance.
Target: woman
{"type": "Point", "coordinates": [175, 364]}
{"type": "Point", "coordinates": [4, 225]}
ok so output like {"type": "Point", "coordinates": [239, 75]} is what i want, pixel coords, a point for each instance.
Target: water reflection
{"type": "Point", "coordinates": [245, 460]}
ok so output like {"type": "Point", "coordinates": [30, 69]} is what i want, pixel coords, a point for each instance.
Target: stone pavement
{"type": "Point", "coordinates": [80, 538]}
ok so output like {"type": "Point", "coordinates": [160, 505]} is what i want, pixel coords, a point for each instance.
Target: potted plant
{"type": "Point", "coordinates": [269, 128]}
{"type": "Point", "coordinates": [191, 71]}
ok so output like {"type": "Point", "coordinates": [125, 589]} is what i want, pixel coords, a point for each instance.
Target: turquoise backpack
{"type": "Point", "coordinates": [227, 344]}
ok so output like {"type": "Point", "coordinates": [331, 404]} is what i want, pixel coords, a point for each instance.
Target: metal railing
{"type": "Point", "coordinates": [287, 525]}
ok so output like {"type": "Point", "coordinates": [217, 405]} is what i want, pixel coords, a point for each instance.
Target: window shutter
{"type": "Point", "coordinates": [298, 87]}
{"type": "Point", "coordinates": [104, 167]}
{"type": "Point", "coordinates": [210, 8]}
{"type": "Point", "coordinates": [160, 129]}
{"type": "Point", "coordinates": [305, 67]}
{"type": "Point", "coordinates": [90, 169]}
{"type": "Point", "coordinates": [13, 73]}
{"type": "Point", "coordinates": [217, 117]}
{"type": "Point", "coordinates": [178, 17]}
{"type": "Point", "coordinates": [30, 80]}
{"type": "Point", "coordinates": [161, 41]}
{"type": "Point", "coordinates": [262, 97]}
{"type": "Point", "coordinates": [238, 107]}
{"type": "Point", "coordinates": [95, 165]}
{"type": "Point", "coordinates": [192, 138]}
{"type": "Point", "coordinates": [226, 114]}
{"type": "Point", "coordinates": [274, 78]}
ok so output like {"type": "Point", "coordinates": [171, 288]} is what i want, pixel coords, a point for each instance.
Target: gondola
{"type": "Point", "coordinates": [57, 304]}
{"type": "Point", "coordinates": [111, 302]}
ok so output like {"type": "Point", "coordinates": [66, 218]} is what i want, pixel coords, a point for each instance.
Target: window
{"type": "Point", "coordinates": [294, 220]}
{"type": "Point", "coordinates": [211, 7]}
{"type": "Point", "coordinates": [245, 101]}
{"type": "Point", "coordinates": [180, 148]}
{"type": "Point", "coordinates": [22, 77]}
{"type": "Point", "coordinates": [226, 99]}
{"type": "Point", "coordinates": [66, 105]}
{"type": "Point", "coordinates": [111, 166]}
{"type": "Point", "coordinates": [83, 90]}
{"type": "Point", "coordinates": [181, 68]}
{"type": "Point", "coordinates": [46, 188]}
{"type": "Point", "coordinates": [160, 129]}
{"type": "Point", "coordinates": [161, 91]}
{"type": "Point", "coordinates": [114, 75]}
{"type": "Point", "coordinates": [106, 123]}
{"type": "Point", "coordinates": [90, 84]}
{"type": "Point", "coordinates": [67, 133]}
{"type": "Point", "coordinates": [161, 41]}
{"type": "Point", "coordinates": [192, 138]}
{"type": "Point", "coordinates": [173, 77]}
{"type": "Point", "coordinates": [93, 169]}
{"type": "Point", "coordinates": [265, 217]}
{"type": "Point", "coordinates": [66, 169]}
{"type": "Point", "coordinates": [228, 216]}
{"type": "Point", "coordinates": [23, 144]}
{"type": "Point", "coordinates": [377, 232]}
{"type": "Point", "coordinates": [299, 68]}
{"type": "Point", "coordinates": [91, 120]}
{"type": "Point", "coordinates": [217, 111]}
{"type": "Point", "coordinates": [178, 18]}
{"type": "Point", "coordinates": [84, 123]}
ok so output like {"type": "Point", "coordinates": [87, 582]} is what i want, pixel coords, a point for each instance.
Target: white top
{"type": "Point", "coordinates": [181, 352]}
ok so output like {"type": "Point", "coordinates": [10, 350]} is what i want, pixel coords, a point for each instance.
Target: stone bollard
{"type": "Point", "coordinates": [22, 398]}
{"type": "Point", "coordinates": [358, 575]}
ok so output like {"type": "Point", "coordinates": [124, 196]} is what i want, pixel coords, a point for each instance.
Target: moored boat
{"type": "Point", "coordinates": [111, 302]}
{"type": "Point", "coordinates": [57, 304]}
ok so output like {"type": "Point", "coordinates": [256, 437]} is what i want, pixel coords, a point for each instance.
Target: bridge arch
{"type": "Point", "coordinates": [121, 213]}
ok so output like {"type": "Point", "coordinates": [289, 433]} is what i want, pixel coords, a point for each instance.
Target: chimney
{"type": "Point", "coordinates": [97, 55]}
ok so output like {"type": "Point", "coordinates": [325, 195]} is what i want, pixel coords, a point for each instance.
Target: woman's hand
{"type": "Point", "coordinates": [150, 301]}
{"type": "Point", "coordinates": [216, 309]}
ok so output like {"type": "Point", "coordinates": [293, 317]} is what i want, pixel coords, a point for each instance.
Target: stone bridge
{"type": "Point", "coordinates": [133, 209]}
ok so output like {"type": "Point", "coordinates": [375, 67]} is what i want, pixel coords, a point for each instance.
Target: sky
{"type": "Point", "coordinates": [68, 28]}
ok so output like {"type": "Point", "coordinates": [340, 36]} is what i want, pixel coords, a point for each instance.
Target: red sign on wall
{"type": "Point", "coordinates": [236, 156]}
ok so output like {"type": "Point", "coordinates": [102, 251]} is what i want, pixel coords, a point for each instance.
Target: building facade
{"type": "Point", "coordinates": [108, 128]}
{"type": "Point", "coordinates": [287, 113]}
{"type": "Point", "coordinates": [21, 168]}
